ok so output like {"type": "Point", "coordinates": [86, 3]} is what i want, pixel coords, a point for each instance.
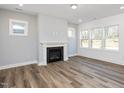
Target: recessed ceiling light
{"type": "Point", "coordinates": [20, 4]}
{"type": "Point", "coordinates": [74, 6]}
{"type": "Point", "coordinates": [122, 7]}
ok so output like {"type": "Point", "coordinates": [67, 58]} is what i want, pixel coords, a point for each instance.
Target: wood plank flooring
{"type": "Point", "coordinates": [77, 72]}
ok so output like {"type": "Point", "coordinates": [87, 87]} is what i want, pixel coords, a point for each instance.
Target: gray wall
{"type": "Point", "coordinates": [17, 49]}
{"type": "Point", "coordinates": [72, 47]}
{"type": "Point", "coordinates": [52, 29]}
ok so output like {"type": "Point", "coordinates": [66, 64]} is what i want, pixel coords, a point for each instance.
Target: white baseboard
{"type": "Point", "coordinates": [66, 59]}
{"type": "Point", "coordinates": [42, 64]}
{"type": "Point", "coordinates": [73, 55]}
{"type": "Point", "coordinates": [18, 65]}
{"type": "Point", "coordinates": [106, 60]}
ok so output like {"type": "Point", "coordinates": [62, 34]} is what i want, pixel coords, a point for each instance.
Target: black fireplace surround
{"type": "Point", "coordinates": [54, 54]}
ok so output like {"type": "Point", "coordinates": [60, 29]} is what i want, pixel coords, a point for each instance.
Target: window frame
{"type": "Point", "coordinates": [73, 30]}
{"type": "Point", "coordinates": [91, 32]}
{"type": "Point", "coordinates": [84, 39]}
{"type": "Point", "coordinates": [103, 42]}
{"type": "Point", "coordinates": [105, 37]}
{"type": "Point", "coordinates": [11, 32]}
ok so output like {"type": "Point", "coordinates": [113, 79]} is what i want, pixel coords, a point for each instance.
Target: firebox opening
{"type": "Point", "coordinates": [54, 54]}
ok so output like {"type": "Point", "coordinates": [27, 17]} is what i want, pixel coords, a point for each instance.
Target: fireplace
{"type": "Point", "coordinates": [47, 49]}
{"type": "Point", "coordinates": [54, 54]}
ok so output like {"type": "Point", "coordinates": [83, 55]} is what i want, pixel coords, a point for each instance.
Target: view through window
{"type": "Point", "coordinates": [96, 37]}
{"type": "Point", "coordinates": [104, 38]}
{"type": "Point", "coordinates": [84, 38]}
{"type": "Point", "coordinates": [112, 38]}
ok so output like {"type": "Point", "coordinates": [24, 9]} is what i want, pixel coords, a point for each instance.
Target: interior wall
{"type": "Point", "coordinates": [52, 29]}
{"type": "Point", "coordinates": [72, 42]}
{"type": "Point", "coordinates": [17, 49]}
{"type": "Point", "coordinates": [106, 55]}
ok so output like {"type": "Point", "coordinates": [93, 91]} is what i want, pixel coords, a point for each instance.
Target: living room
{"type": "Point", "coordinates": [61, 46]}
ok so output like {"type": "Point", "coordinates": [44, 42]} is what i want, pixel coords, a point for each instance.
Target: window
{"type": "Point", "coordinates": [96, 38]}
{"type": "Point", "coordinates": [18, 27]}
{"type": "Point", "coordinates": [71, 32]}
{"type": "Point", "coordinates": [112, 38]}
{"type": "Point", "coordinates": [84, 37]}
{"type": "Point", "coordinates": [101, 38]}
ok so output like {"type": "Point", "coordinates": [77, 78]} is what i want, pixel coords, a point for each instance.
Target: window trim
{"type": "Point", "coordinates": [84, 39]}
{"type": "Point", "coordinates": [104, 28]}
{"type": "Point", "coordinates": [105, 37]}
{"type": "Point", "coordinates": [94, 39]}
{"type": "Point", "coordinates": [18, 21]}
{"type": "Point", "coordinates": [73, 32]}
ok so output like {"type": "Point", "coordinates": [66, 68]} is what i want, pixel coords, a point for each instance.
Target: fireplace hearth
{"type": "Point", "coordinates": [54, 54]}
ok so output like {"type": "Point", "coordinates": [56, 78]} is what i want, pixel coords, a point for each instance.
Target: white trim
{"type": "Point", "coordinates": [73, 55]}
{"type": "Point", "coordinates": [66, 59]}
{"type": "Point", "coordinates": [18, 65]}
{"type": "Point", "coordinates": [106, 59]}
{"type": "Point", "coordinates": [103, 39]}
{"type": "Point", "coordinates": [43, 48]}
{"type": "Point", "coordinates": [42, 64]}
{"type": "Point", "coordinates": [18, 21]}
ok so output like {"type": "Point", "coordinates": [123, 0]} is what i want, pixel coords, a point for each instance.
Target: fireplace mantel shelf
{"type": "Point", "coordinates": [53, 43]}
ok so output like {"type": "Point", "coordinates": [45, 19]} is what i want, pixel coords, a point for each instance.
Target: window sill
{"type": "Point", "coordinates": [100, 49]}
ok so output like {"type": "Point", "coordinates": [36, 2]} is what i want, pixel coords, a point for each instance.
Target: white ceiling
{"type": "Point", "coordinates": [86, 12]}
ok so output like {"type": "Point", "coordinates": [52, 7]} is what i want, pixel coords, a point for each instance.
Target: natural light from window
{"type": "Point", "coordinates": [96, 38]}
{"type": "Point", "coordinates": [71, 32]}
{"type": "Point", "coordinates": [100, 38]}
{"type": "Point", "coordinates": [112, 38]}
{"type": "Point", "coordinates": [84, 38]}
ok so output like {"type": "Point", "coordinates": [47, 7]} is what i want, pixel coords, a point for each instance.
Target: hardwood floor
{"type": "Point", "coordinates": [78, 72]}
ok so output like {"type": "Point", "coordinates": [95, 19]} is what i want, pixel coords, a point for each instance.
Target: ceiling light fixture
{"type": "Point", "coordinates": [122, 7]}
{"type": "Point", "coordinates": [74, 6]}
{"type": "Point", "coordinates": [21, 5]}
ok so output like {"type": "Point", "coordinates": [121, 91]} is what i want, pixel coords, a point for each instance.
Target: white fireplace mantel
{"type": "Point", "coordinates": [43, 50]}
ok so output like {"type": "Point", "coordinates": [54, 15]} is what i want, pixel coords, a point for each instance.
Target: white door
{"type": "Point", "coordinates": [71, 41]}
